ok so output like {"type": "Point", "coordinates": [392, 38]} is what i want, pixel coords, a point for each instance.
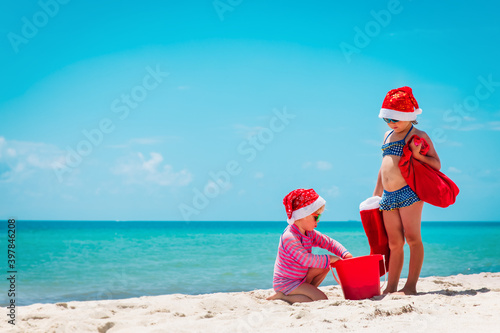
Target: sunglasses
{"type": "Point", "coordinates": [388, 120]}
{"type": "Point", "coordinates": [316, 217]}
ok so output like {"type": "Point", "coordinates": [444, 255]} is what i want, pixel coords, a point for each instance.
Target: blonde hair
{"type": "Point", "coordinates": [322, 209]}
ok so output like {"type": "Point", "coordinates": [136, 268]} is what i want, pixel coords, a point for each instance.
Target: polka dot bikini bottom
{"type": "Point", "coordinates": [403, 197]}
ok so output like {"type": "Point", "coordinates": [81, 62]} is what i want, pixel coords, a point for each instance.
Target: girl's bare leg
{"type": "Point", "coordinates": [290, 298]}
{"type": "Point", "coordinates": [395, 233]}
{"type": "Point", "coordinates": [411, 217]}
{"type": "Point", "coordinates": [316, 275]}
{"type": "Point", "coordinates": [307, 291]}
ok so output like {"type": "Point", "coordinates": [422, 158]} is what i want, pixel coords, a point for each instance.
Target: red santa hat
{"type": "Point", "coordinates": [400, 104]}
{"type": "Point", "coordinates": [301, 203]}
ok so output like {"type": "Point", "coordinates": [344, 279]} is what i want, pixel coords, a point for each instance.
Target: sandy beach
{"type": "Point", "coordinates": [460, 303]}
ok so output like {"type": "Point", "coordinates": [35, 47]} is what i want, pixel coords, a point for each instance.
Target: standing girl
{"type": "Point", "coordinates": [402, 208]}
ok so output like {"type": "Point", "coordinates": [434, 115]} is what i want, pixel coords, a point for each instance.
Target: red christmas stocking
{"type": "Point", "coordinates": [373, 223]}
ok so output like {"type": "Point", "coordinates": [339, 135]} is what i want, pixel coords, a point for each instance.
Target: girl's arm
{"type": "Point", "coordinates": [379, 189]}
{"type": "Point", "coordinates": [297, 251]}
{"type": "Point", "coordinates": [329, 244]}
{"type": "Point", "coordinates": [335, 258]}
{"type": "Point", "coordinates": [431, 158]}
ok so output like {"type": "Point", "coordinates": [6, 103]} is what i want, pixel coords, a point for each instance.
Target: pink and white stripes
{"type": "Point", "coordinates": [295, 257]}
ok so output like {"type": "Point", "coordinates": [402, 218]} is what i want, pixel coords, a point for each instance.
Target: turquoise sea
{"type": "Point", "coordinates": [79, 260]}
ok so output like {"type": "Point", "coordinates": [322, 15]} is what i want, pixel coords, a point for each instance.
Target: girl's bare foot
{"type": "Point", "coordinates": [278, 295]}
{"type": "Point", "coordinates": [407, 291]}
{"type": "Point", "coordinates": [387, 292]}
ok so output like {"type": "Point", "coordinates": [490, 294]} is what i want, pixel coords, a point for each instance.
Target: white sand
{"type": "Point", "coordinates": [462, 303]}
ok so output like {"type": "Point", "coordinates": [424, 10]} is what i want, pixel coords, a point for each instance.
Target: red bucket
{"type": "Point", "coordinates": [359, 277]}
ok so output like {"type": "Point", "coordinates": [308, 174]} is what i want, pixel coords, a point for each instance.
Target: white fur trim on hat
{"type": "Point", "coordinates": [307, 210]}
{"type": "Point", "coordinates": [399, 115]}
{"type": "Point", "coordinates": [370, 203]}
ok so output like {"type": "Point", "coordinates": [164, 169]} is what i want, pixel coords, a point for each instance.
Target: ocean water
{"type": "Point", "coordinates": [78, 260]}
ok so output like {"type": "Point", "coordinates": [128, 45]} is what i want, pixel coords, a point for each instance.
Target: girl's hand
{"type": "Point", "coordinates": [333, 259]}
{"type": "Point", "coordinates": [431, 157]}
{"type": "Point", "coordinates": [348, 256]}
{"type": "Point", "coordinates": [415, 147]}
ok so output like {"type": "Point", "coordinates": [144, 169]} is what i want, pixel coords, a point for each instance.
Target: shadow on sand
{"type": "Point", "coordinates": [445, 292]}
{"type": "Point", "coordinates": [448, 292]}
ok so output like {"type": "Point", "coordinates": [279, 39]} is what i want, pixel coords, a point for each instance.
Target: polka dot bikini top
{"type": "Point", "coordinates": [396, 147]}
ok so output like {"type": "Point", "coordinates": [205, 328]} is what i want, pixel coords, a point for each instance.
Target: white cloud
{"type": "Point", "coordinates": [22, 159]}
{"type": "Point", "coordinates": [139, 170]}
{"type": "Point", "coordinates": [259, 175]}
{"type": "Point", "coordinates": [307, 165]}
{"type": "Point", "coordinates": [418, 32]}
{"type": "Point", "coordinates": [122, 146]}
{"type": "Point", "coordinates": [450, 143]}
{"type": "Point", "coordinates": [491, 125]}
{"type": "Point", "coordinates": [247, 131]}
{"type": "Point", "coordinates": [323, 165]}
{"type": "Point", "coordinates": [471, 127]}
{"type": "Point", "coordinates": [484, 173]}
{"type": "Point", "coordinates": [332, 192]}
{"type": "Point", "coordinates": [145, 141]}
{"type": "Point", "coordinates": [320, 165]}
{"type": "Point", "coordinates": [454, 170]}
{"type": "Point", "coordinates": [11, 152]}
{"type": "Point", "coordinates": [495, 125]}
{"type": "Point", "coordinates": [465, 128]}
{"type": "Point", "coordinates": [151, 165]}
{"type": "Point", "coordinates": [214, 189]}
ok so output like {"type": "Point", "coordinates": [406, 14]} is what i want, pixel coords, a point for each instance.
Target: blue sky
{"type": "Point", "coordinates": [215, 110]}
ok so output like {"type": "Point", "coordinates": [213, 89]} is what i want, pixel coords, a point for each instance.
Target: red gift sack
{"type": "Point", "coordinates": [373, 223]}
{"type": "Point", "coordinates": [431, 185]}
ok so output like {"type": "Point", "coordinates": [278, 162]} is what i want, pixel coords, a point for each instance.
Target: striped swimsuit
{"type": "Point", "coordinates": [295, 257]}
